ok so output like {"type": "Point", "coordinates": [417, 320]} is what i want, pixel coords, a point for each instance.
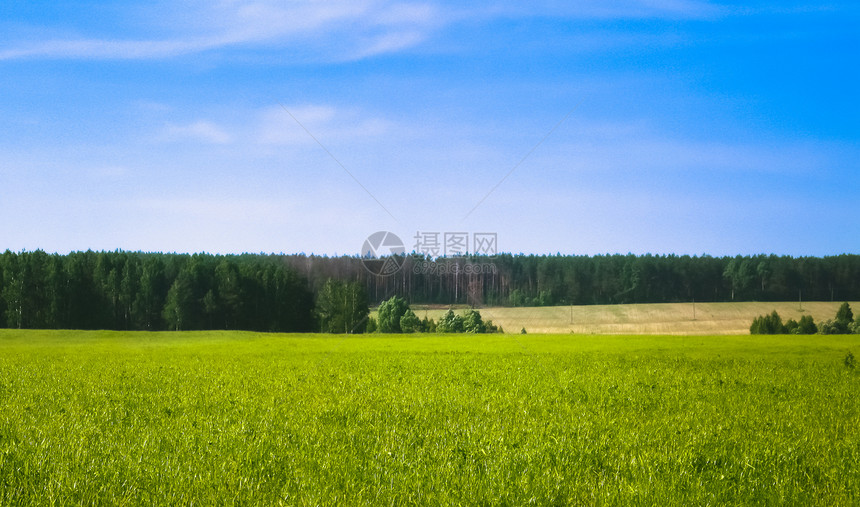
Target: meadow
{"type": "Point", "coordinates": [245, 418]}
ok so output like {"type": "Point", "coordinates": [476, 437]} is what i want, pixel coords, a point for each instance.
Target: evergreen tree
{"type": "Point", "coordinates": [178, 309]}
{"type": "Point", "coordinates": [152, 288]}
{"type": "Point", "coordinates": [129, 288]}
{"type": "Point", "coordinates": [768, 324]}
{"type": "Point", "coordinates": [342, 307]}
{"type": "Point", "coordinates": [229, 294]}
{"type": "Point", "coordinates": [409, 322]}
{"type": "Point", "coordinates": [13, 291]}
{"type": "Point", "coordinates": [472, 322]}
{"type": "Point", "coordinates": [844, 314]}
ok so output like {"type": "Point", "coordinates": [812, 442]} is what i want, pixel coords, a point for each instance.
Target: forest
{"type": "Point", "coordinates": [548, 280]}
{"type": "Point", "coordinates": [152, 291]}
{"type": "Point", "coordinates": [263, 292]}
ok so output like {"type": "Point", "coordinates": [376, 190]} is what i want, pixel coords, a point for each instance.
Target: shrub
{"type": "Point", "coordinates": [473, 323]}
{"type": "Point", "coordinates": [768, 324]}
{"type": "Point", "coordinates": [450, 323]}
{"type": "Point", "coordinates": [409, 322]}
{"type": "Point", "coordinates": [428, 325]}
{"type": "Point", "coordinates": [470, 322]}
{"type": "Point", "coordinates": [390, 312]}
{"type": "Point", "coordinates": [829, 327]}
{"type": "Point", "coordinates": [806, 325]}
{"type": "Point", "coordinates": [843, 324]}
{"type": "Point", "coordinates": [757, 325]}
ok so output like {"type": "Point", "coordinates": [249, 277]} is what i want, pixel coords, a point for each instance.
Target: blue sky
{"type": "Point", "coordinates": [676, 126]}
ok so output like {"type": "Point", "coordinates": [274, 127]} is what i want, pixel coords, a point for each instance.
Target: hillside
{"type": "Point", "coordinates": [670, 318]}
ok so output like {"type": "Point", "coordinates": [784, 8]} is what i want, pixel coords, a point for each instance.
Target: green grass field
{"type": "Point", "coordinates": [667, 318]}
{"type": "Point", "coordinates": [244, 418]}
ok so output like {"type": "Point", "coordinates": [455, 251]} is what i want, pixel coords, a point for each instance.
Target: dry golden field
{"type": "Point", "coordinates": [668, 318]}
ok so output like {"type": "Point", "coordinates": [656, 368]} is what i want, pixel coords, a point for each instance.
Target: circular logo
{"type": "Point", "coordinates": [383, 253]}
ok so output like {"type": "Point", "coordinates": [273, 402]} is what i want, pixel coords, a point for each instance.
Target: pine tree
{"type": "Point", "coordinates": [844, 314]}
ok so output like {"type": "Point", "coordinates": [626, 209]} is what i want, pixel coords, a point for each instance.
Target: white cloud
{"type": "Point", "coordinates": [110, 49]}
{"type": "Point", "coordinates": [369, 27]}
{"type": "Point", "coordinates": [249, 129]}
{"type": "Point", "coordinates": [323, 122]}
{"type": "Point", "coordinates": [388, 43]}
{"type": "Point", "coordinates": [203, 131]}
{"type": "Point", "coordinates": [402, 13]}
{"type": "Point", "coordinates": [331, 30]}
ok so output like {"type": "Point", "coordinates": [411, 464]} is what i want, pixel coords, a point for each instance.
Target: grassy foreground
{"type": "Point", "coordinates": [208, 417]}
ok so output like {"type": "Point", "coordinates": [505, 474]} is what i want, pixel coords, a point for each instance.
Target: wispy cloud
{"type": "Point", "coordinates": [276, 127]}
{"type": "Point", "coordinates": [336, 30]}
{"type": "Point", "coordinates": [369, 27]}
{"type": "Point", "coordinates": [109, 49]}
{"type": "Point", "coordinates": [202, 131]}
{"type": "Point", "coordinates": [598, 9]}
{"type": "Point", "coordinates": [387, 43]}
{"type": "Point", "coordinates": [272, 126]}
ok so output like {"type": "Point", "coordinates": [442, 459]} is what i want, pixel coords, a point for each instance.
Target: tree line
{"type": "Point", "coordinates": [549, 280]}
{"type": "Point", "coordinates": [157, 291]}
{"type": "Point", "coordinates": [152, 291]}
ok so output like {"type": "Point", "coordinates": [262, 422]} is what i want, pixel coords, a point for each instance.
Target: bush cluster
{"type": "Point", "coordinates": [395, 316]}
{"type": "Point", "coordinates": [844, 323]}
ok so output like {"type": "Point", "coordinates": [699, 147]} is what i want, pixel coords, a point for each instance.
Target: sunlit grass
{"type": "Point", "coordinates": [109, 417]}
